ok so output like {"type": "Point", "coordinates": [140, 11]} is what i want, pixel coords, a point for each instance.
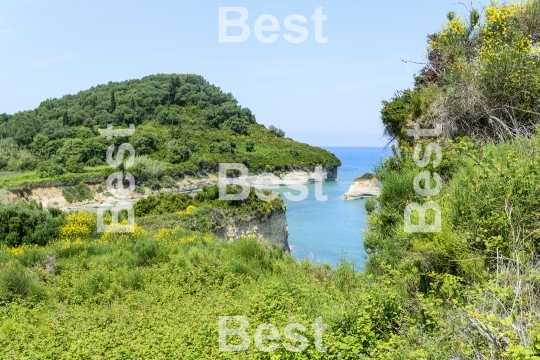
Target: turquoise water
{"type": "Point", "coordinates": [327, 231]}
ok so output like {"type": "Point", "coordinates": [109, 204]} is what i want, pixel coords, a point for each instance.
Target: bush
{"type": "Point", "coordinates": [29, 224]}
{"type": "Point", "coordinates": [276, 131]}
{"type": "Point", "coordinates": [371, 205]}
{"type": "Point", "coordinates": [49, 168]}
{"type": "Point", "coordinates": [74, 164]}
{"type": "Point", "coordinates": [168, 182]}
{"type": "Point", "coordinates": [146, 250]}
{"type": "Point", "coordinates": [16, 282]}
{"type": "Point", "coordinates": [250, 146]}
{"type": "Point", "coordinates": [80, 225]}
{"type": "Point", "coordinates": [145, 168]}
{"type": "Point", "coordinates": [224, 147]}
{"type": "Point", "coordinates": [162, 204]}
{"type": "Point", "coordinates": [237, 125]}
{"type": "Point", "coordinates": [177, 154]}
{"type": "Point", "coordinates": [77, 193]}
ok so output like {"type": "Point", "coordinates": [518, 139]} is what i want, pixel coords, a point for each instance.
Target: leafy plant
{"type": "Point", "coordinates": [77, 193]}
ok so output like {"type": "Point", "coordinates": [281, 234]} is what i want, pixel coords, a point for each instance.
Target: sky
{"type": "Point", "coordinates": [322, 93]}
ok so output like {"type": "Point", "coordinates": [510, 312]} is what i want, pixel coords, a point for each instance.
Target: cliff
{"type": "Point", "coordinates": [362, 187]}
{"type": "Point", "coordinates": [51, 196]}
{"type": "Point", "coordinates": [272, 227]}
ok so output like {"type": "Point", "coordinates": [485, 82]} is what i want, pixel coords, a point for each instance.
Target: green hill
{"type": "Point", "coordinates": [184, 125]}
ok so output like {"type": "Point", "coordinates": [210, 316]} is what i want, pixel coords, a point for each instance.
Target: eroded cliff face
{"type": "Point", "coordinates": [52, 196]}
{"type": "Point", "coordinates": [272, 227]}
{"type": "Point", "coordinates": [365, 186]}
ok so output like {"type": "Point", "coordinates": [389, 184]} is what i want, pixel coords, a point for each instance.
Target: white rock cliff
{"type": "Point", "coordinates": [362, 187]}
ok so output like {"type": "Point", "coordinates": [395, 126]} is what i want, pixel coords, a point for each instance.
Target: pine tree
{"type": "Point", "coordinates": [113, 102]}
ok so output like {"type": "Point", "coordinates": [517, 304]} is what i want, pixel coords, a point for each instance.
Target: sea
{"type": "Point", "coordinates": [331, 231]}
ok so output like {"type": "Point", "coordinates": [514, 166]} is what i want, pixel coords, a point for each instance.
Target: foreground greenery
{"type": "Point", "coordinates": [470, 291]}
{"type": "Point", "coordinates": [467, 292]}
{"type": "Point", "coordinates": [159, 295]}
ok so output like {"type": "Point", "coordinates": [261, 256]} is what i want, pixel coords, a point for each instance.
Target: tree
{"type": "Point", "coordinates": [112, 107]}
{"type": "Point", "coordinates": [49, 169]}
{"type": "Point", "coordinates": [276, 131]}
{"type": "Point", "coordinates": [238, 125]}
{"type": "Point", "coordinates": [178, 153]}
{"type": "Point", "coordinates": [74, 164]}
{"type": "Point", "coordinates": [250, 146]}
{"type": "Point", "coordinates": [37, 147]}
{"type": "Point", "coordinates": [65, 119]}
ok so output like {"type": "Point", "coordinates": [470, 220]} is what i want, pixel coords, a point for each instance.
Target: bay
{"type": "Point", "coordinates": [332, 230]}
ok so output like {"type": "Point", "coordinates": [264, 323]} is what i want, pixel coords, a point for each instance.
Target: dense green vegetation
{"type": "Point", "coordinates": [474, 283]}
{"type": "Point", "coordinates": [77, 192]}
{"type": "Point", "coordinates": [28, 224]}
{"type": "Point", "coordinates": [184, 125]}
{"type": "Point", "coordinates": [204, 212]}
{"type": "Point", "coordinates": [481, 77]}
{"type": "Point", "coordinates": [159, 294]}
{"type": "Point", "coordinates": [469, 291]}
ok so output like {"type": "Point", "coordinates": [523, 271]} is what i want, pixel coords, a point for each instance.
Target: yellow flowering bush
{"type": "Point", "coordinates": [78, 225]}
{"type": "Point", "coordinates": [174, 236]}
{"type": "Point", "coordinates": [137, 232]}
{"type": "Point", "coordinates": [499, 37]}
{"type": "Point", "coordinates": [455, 28]}
{"type": "Point", "coordinates": [20, 250]}
{"type": "Point", "coordinates": [189, 210]}
{"type": "Point", "coordinates": [164, 236]}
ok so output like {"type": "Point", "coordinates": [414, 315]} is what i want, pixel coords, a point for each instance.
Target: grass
{"type": "Point", "coordinates": [152, 296]}
{"type": "Point", "coordinates": [31, 178]}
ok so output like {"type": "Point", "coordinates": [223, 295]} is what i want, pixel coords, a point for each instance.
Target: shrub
{"type": "Point", "coordinates": [192, 146]}
{"type": "Point", "coordinates": [276, 131]}
{"type": "Point", "coordinates": [146, 250]}
{"type": "Point", "coordinates": [80, 224]}
{"type": "Point", "coordinates": [168, 182]}
{"type": "Point", "coordinates": [237, 125]}
{"type": "Point", "coordinates": [29, 224]}
{"type": "Point", "coordinates": [77, 193]}
{"type": "Point", "coordinates": [177, 154]}
{"type": "Point", "coordinates": [224, 147]}
{"type": "Point", "coordinates": [145, 168]}
{"type": "Point", "coordinates": [371, 205]}
{"type": "Point", "coordinates": [16, 281]}
{"type": "Point", "coordinates": [250, 146]}
{"type": "Point", "coordinates": [49, 168]}
{"type": "Point", "coordinates": [74, 164]}
{"type": "Point", "coordinates": [162, 204]}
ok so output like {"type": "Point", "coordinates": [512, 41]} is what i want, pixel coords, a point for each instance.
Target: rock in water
{"type": "Point", "coordinates": [362, 187]}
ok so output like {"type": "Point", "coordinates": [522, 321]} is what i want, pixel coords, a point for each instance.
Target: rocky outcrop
{"type": "Point", "coordinates": [294, 177]}
{"type": "Point", "coordinates": [272, 227]}
{"type": "Point", "coordinates": [362, 187]}
{"type": "Point", "coordinates": [51, 196]}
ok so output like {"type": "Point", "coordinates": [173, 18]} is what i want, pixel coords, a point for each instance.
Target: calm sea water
{"type": "Point", "coordinates": [327, 231]}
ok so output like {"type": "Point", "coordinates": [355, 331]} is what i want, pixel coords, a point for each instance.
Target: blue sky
{"type": "Point", "coordinates": [325, 94]}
